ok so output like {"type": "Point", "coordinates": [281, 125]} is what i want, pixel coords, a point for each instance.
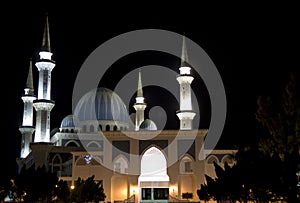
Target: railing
{"type": "Point", "coordinates": [130, 199]}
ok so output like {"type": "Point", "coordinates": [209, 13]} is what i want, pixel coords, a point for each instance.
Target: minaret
{"type": "Point", "coordinates": [27, 128]}
{"type": "Point", "coordinates": [43, 105]}
{"type": "Point", "coordinates": [185, 114]}
{"type": "Point", "coordinates": [139, 105]}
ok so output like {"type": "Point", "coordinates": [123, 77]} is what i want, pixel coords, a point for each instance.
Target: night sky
{"type": "Point", "coordinates": [250, 48]}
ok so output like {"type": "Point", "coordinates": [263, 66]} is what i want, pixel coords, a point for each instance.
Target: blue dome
{"type": "Point", "coordinates": [101, 104]}
{"type": "Point", "coordinates": [69, 121]}
{"type": "Point", "coordinates": [148, 124]}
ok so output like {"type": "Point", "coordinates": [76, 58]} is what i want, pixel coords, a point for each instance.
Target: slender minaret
{"type": "Point", "coordinates": [185, 114]}
{"type": "Point", "coordinates": [139, 105]}
{"type": "Point", "coordinates": [27, 128]}
{"type": "Point", "coordinates": [43, 105]}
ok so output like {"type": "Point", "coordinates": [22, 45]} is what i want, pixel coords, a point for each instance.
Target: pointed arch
{"type": "Point", "coordinates": [154, 146]}
{"type": "Point", "coordinates": [121, 164]}
{"type": "Point", "coordinates": [72, 143]}
{"type": "Point", "coordinates": [186, 164]}
{"type": "Point", "coordinates": [227, 158]}
{"type": "Point", "coordinates": [211, 159]}
{"type": "Point", "coordinates": [153, 162]}
{"type": "Point", "coordinates": [93, 144]}
{"type": "Point", "coordinates": [56, 163]}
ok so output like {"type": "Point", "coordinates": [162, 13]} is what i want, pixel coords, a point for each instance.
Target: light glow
{"type": "Point", "coordinates": [45, 55]}
{"type": "Point", "coordinates": [139, 100]}
{"type": "Point", "coordinates": [133, 190]}
{"type": "Point", "coordinates": [185, 70]}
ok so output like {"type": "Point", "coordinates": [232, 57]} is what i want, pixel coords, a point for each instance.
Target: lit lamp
{"type": "Point", "coordinates": [72, 187]}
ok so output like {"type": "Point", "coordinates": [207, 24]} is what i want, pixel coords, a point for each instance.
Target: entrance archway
{"type": "Point", "coordinates": [153, 181]}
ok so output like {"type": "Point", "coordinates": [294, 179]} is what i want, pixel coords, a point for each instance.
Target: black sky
{"type": "Point", "coordinates": [252, 49]}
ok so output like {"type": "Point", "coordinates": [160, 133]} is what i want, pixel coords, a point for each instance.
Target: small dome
{"type": "Point", "coordinates": [101, 104]}
{"type": "Point", "coordinates": [148, 124]}
{"type": "Point", "coordinates": [69, 121]}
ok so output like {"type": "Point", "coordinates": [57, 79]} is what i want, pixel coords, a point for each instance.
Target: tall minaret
{"type": "Point", "coordinates": [27, 128]}
{"type": "Point", "coordinates": [43, 105]}
{"type": "Point", "coordinates": [139, 105]}
{"type": "Point", "coordinates": [185, 114]}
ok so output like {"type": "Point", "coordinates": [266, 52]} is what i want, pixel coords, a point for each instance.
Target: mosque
{"type": "Point", "coordinates": [101, 139]}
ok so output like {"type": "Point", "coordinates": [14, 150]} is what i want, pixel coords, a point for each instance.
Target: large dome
{"type": "Point", "coordinates": [101, 104]}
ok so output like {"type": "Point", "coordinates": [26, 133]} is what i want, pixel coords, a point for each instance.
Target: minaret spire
{"type": "Point", "coordinates": [27, 128]}
{"type": "Point", "coordinates": [46, 37]}
{"type": "Point", "coordinates": [184, 55]}
{"type": "Point", "coordinates": [140, 104]}
{"type": "Point", "coordinates": [29, 90]}
{"type": "Point", "coordinates": [185, 114]}
{"type": "Point", "coordinates": [43, 105]}
{"type": "Point", "coordinates": [140, 86]}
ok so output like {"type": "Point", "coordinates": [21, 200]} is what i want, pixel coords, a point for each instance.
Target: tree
{"type": "Point", "coordinates": [87, 190]}
{"type": "Point", "coordinates": [33, 184]}
{"type": "Point", "coordinates": [282, 120]}
{"type": "Point", "coordinates": [61, 191]}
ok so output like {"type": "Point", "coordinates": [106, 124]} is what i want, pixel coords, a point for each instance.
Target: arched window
{"type": "Point", "coordinates": [115, 128]}
{"type": "Point", "coordinates": [227, 159]}
{"type": "Point", "coordinates": [56, 164]}
{"type": "Point", "coordinates": [91, 128]}
{"type": "Point", "coordinates": [100, 127]}
{"type": "Point", "coordinates": [121, 165]}
{"type": "Point", "coordinates": [211, 159]}
{"type": "Point", "coordinates": [107, 128]}
{"type": "Point", "coordinates": [186, 165]}
{"type": "Point", "coordinates": [72, 130]}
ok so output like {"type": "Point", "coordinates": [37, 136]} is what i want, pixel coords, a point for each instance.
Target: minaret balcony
{"type": "Point", "coordinates": [43, 104]}
{"type": "Point", "coordinates": [185, 79]}
{"type": "Point", "coordinates": [45, 64]}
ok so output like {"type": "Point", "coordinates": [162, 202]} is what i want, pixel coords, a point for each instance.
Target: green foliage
{"type": "Point", "coordinates": [87, 191]}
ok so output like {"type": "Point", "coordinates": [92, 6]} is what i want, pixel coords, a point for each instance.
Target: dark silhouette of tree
{"type": "Point", "coordinates": [33, 185]}
{"type": "Point", "coordinates": [61, 191]}
{"type": "Point", "coordinates": [282, 120]}
{"type": "Point", "coordinates": [5, 188]}
{"type": "Point", "coordinates": [87, 190]}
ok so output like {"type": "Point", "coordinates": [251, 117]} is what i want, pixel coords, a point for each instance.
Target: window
{"type": "Point", "coordinates": [161, 193]}
{"type": "Point", "coordinates": [186, 165]}
{"type": "Point", "coordinates": [91, 128]}
{"type": "Point", "coordinates": [115, 128]}
{"type": "Point", "coordinates": [146, 193]}
{"type": "Point", "coordinates": [120, 165]}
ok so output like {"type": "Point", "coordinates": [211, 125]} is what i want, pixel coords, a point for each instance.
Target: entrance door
{"type": "Point", "coordinates": [153, 181]}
